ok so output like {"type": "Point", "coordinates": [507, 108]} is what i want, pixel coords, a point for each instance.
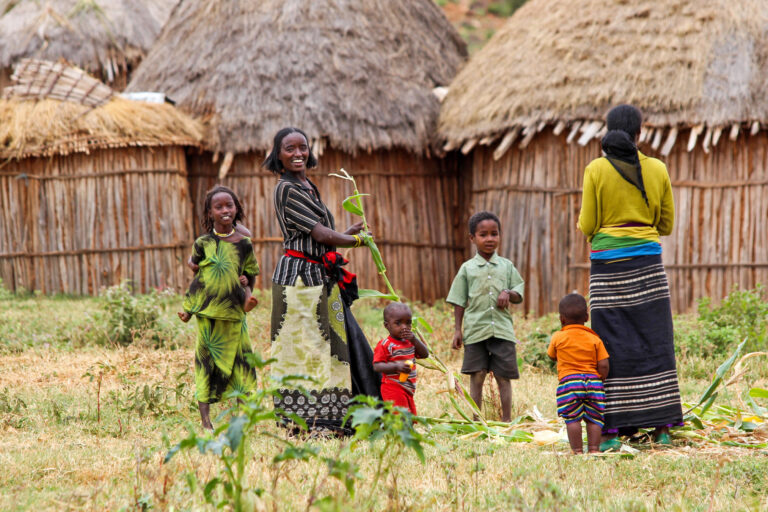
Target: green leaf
{"type": "Point", "coordinates": [366, 415]}
{"type": "Point", "coordinates": [365, 293]}
{"type": "Point", "coordinates": [719, 376]}
{"type": "Point", "coordinates": [758, 393]}
{"type": "Point", "coordinates": [760, 411]}
{"type": "Point", "coordinates": [351, 204]}
{"type": "Point", "coordinates": [423, 323]}
{"type": "Point", "coordinates": [235, 431]}
{"type": "Point", "coordinates": [707, 405]}
{"type": "Point", "coordinates": [209, 488]}
{"type": "Point", "coordinates": [296, 453]}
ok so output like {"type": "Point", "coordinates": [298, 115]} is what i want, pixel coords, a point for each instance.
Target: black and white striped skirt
{"type": "Point", "coordinates": [631, 312]}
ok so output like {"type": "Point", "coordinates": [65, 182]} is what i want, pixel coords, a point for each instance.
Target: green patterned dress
{"type": "Point", "coordinates": [216, 299]}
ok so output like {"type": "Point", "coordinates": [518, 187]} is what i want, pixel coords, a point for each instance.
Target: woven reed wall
{"type": "Point", "coordinates": [75, 223]}
{"type": "Point", "coordinates": [416, 211]}
{"type": "Point", "coordinates": [720, 239]}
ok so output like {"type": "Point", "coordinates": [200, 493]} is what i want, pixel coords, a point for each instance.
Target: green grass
{"type": "Point", "coordinates": [62, 449]}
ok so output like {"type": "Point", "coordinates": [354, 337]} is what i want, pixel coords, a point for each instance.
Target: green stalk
{"type": "Point", "coordinates": [375, 253]}
{"type": "Point", "coordinates": [358, 209]}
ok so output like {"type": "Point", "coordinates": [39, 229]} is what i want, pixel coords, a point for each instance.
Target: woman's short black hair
{"type": "Point", "coordinates": [272, 162]}
{"type": "Point", "coordinates": [205, 219]}
{"type": "Point", "coordinates": [626, 118]}
{"type": "Point", "coordinates": [480, 217]}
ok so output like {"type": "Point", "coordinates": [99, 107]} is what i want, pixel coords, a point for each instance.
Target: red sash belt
{"type": "Point", "coordinates": [301, 255]}
{"type": "Point", "coordinates": [332, 261]}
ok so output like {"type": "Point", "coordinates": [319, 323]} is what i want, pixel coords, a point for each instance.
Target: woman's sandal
{"type": "Point", "coordinates": [611, 444]}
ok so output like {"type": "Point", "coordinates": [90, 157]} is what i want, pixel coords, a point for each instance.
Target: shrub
{"type": "Point", "coordinates": [743, 314]}
{"type": "Point", "coordinates": [533, 349]}
{"type": "Point", "coordinates": [126, 317]}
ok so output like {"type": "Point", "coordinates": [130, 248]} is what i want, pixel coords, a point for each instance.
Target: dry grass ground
{"type": "Point", "coordinates": [62, 449]}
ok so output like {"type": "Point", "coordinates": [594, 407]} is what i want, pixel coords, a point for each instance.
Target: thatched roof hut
{"type": "Point", "coordinates": [358, 77]}
{"type": "Point", "coordinates": [93, 193]}
{"type": "Point", "coordinates": [530, 106]}
{"type": "Point", "coordinates": [108, 38]}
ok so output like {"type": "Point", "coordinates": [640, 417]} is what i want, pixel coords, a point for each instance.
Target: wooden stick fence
{"type": "Point", "coordinates": [75, 223]}
{"type": "Point", "coordinates": [414, 211]}
{"type": "Point", "coordinates": [719, 240]}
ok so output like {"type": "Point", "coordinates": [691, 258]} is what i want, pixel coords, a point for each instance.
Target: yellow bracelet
{"type": "Point", "coordinates": [358, 241]}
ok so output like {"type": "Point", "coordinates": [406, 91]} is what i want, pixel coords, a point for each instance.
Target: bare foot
{"type": "Point", "coordinates": [250, 303]}
{"type": "Point", "coordinates": [184, 316]}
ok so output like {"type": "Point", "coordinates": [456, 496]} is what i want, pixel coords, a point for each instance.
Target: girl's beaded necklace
{"type": "Point", "coordinates": [224, 235]}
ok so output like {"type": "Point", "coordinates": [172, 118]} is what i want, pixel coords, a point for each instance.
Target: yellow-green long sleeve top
{"type": "Point", "coordinates": [614, 215]}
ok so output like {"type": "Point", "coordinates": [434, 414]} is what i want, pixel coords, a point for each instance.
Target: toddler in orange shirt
{"type": "Point", "coordinates": [582, 366]}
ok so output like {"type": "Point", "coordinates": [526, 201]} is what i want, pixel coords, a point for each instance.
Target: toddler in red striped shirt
{"type": "Point", "coordinates": [394, 357]}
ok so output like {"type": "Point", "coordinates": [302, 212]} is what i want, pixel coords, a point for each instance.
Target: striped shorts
{"type": "Point", "coordinates": [581, 396]}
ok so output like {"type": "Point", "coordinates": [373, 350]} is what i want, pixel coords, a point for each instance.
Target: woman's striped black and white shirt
{"type": "Point", "coordinates": [299, 209]}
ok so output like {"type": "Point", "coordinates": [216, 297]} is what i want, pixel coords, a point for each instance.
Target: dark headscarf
{"type": "Point", "coordinates": [621, 151]}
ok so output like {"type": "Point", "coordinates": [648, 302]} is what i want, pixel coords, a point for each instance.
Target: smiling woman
{"type": "Point", "coordinates": [313, 332]}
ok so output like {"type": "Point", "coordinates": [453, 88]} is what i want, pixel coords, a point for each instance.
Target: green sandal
{"type": "Point", "coordinates": [663, 439]}
{"type": "Point", "coordinates": [610, 444]}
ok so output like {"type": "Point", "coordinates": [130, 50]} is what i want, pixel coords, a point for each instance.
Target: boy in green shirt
{"type": "Point", "coordinates": [481, 292]}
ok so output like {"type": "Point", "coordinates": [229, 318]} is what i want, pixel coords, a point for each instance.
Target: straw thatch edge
{"type": "Point", "coordinates": [51, 127]}
{"type": "Point", "coordinates": [662, 138]}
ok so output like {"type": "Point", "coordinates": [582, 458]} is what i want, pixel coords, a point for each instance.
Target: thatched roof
{"type": "Point", "coordinates": [357, 74]}
{"type": "Point", "coordinates": [50, 127]}
{"type": "Point", "coordinates": [102, 36]}
{"type": "Point", "coordinates": [685, 63]}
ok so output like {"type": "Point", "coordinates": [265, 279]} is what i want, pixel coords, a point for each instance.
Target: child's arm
{"type": "Point", "coordinates": [250, 269]}
{"type": "Point", "coordinates": [507, 297]}
{"type": "Point", "coordinates": [513, 291]}
{"type": "Point", "coordinates": [198, 253]}
{"type": "Point", "coordinates": [458, 318]}
{"type": "Point", "coordinates": [419, 346]}
{"type": "Point", "coordinates": [392, 367]}
{"type": "Point", "coordinates": [191, 264]}
{"type": "Point", "coordinates": [602, 368]}
{"type": "Point", "coordinates": [552, 350]}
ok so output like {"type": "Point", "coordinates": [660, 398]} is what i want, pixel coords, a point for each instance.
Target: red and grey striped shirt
{"type": "Point", "coordinates": [391, 349]}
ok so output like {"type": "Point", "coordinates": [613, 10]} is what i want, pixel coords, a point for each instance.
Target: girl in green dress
{"type": "Point", "coordinates": [216, 297]}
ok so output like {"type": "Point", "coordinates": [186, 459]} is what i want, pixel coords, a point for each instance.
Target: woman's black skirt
{"type": "Point", "coordinates": [631, 312]}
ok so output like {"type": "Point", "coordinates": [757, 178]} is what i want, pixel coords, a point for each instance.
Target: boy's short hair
{"type": "Point", "coordinates": [573, 307]}
{"type": "Point", "coordinates": [480, 217]}
{"type": "Point", "coordinates": [395, 306]}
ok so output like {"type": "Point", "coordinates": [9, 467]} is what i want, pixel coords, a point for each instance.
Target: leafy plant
{"type": "Point", "coordinates": [12, 404]}
{"type": "Point", "coordinates": [252, 416]}
{"type": "Point", "coordinates": [742, 314]}
{"type": "Point", "coordinates": [126, 317]}
{"type": "Point", "coordinates": [156, 399]}
{"type": "Point", "coordinates": [374, 420]}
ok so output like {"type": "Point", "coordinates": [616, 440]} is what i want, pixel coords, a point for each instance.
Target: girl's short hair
{"type": "Point", "coordinates": [205, 219]}
{"type": "Point", "coordinates": [480, 217]}
{"type": "Point", "coordinates": [626, 118]}
{"type": "Point", "coordinates": [273, 163]}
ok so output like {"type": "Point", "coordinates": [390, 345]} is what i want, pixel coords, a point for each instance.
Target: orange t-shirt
{"type": "Point", "coordinates": [577, 349]}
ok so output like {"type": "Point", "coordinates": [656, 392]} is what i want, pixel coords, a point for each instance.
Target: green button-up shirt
{"type": "Point", "coordinates": [476, 288]}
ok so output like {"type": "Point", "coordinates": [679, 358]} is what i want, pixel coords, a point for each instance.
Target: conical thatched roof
{"type": "Point", "coordinates": [700, 63]}
{"type": "Point", "coordinates": [102, 36]}
{"type": "Point", "coordinates": [357, 73]}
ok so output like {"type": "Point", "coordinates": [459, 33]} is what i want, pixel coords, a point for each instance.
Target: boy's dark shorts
{"type": "Point", "coordinates": [495, 355]}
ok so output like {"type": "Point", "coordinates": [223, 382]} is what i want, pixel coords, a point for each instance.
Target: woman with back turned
{"type": "Point", "coordinates": [626, 207]}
